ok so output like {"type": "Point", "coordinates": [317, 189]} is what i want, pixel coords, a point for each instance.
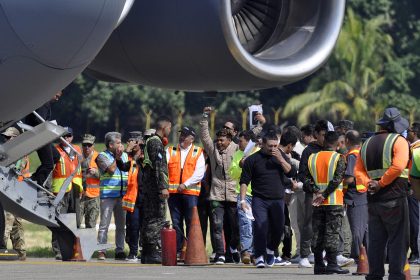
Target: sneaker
{"type": "Point", "coordinates": [219, 259]}
{"type": "Point", "coordinates": [295, 259]}
{"type": "Point", "coordinates": [281, 262]}
{"type": "Point", "coordinates": [58, 257]}
{"type": "Point", "coordinates": [212, 257]}
{"type": "Point", "coordinates": [343, 261]}
{"type": "Point", "coordinates": [132, 258]}
{"type": "Point", "coordinates": [304, 262]}
{"type": "Point", "coordinates": [270, 260]}
{"type": "Point", "coordinates": [120, 256]}
{"type": "Point", "coordinates": [246, 258]}
{"type": "Point", "coordinates": [311, 258]}
{"type": "Point", "coordinates": [101, 256]}
{"type": "Point", "coordinates": [236, 257]}
{"type": "Point", "coordinates": [259, 262]}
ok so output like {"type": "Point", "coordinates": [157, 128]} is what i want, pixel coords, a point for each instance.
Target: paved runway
{"type": "Point", "coordinates": [112, 270]}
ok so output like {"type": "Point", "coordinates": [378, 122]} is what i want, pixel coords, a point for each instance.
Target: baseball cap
{"type": "Point", "coordinates": [135, 135]}
{"type": "Point", "coordinates": [188, 130]}
{"type": "Point", "coordinates": [69, 131]}
{"type": "Point", "coordinates": [88, 139]}
{"type": "Point", "coordinates": [11, 132]}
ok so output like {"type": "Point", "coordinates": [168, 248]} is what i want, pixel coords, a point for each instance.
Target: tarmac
{"type": "Point", "coordinates": [110, 270]}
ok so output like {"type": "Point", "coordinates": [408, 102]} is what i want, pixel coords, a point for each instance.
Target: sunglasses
{"type": "Point", "coordinates": [226, 127]}
{"type": "Point", "coordinates": [87, 145]}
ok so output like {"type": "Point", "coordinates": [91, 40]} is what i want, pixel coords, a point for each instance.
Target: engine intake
{"type": "Point", "coordinates": [220, 45]}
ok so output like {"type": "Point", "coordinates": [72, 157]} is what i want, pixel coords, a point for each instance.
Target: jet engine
{"type": "Point", "coordinates": [45, 44]}
{"type": "Point", "coordinates": [222, 45]}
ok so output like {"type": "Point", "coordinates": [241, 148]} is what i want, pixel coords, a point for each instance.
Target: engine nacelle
{"type": "Point", "coordinates": [45, 44]}
{"type": "Point", "coordinates": [220, 45]}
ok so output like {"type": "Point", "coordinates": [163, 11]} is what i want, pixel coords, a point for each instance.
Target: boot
{"type": "Point", "coordinates": [319, 267]}
{"type": "Point", "coordinates": [333, 267]}
{"type": "Point", "coordinates": [153, 256]}
{"type": "Point", "coordinates": [143, 255]}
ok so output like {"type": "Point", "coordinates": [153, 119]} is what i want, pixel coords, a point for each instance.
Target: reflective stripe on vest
{"type": "Point", "coordinates": [23, 167]}
{"type": "Point", "coordinates": [387, 155]}
{"type": "Point", "coordinates": [113, 185]}
{"type": "Point", "coordinates": [92, 183]}
{"type": "Point", "coordinates": [64, 168]}
{"type": "Point", "coordinates": [322, 166]}
{"type": "Point", "coordinates": [129, 199]}
{"type": "Point", "coordinates": [178, 175]}
{"type": "Point", "coordinates": [359, 187]}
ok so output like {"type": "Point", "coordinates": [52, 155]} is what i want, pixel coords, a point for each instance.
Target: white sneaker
{"type": "Point", "coordinates": [311, 258]}
{"type": "Point", "coordinates": [280, 262]}
{"type": "Point", "coordinates": [343, 261]}
{"type": "Point", "coordinates": [304, 262]}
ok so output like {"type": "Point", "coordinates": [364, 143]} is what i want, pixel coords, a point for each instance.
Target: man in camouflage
{"type": "Point", "coordinates": [13, 225]}
{"type": "Point", "coordinates": [89, 204]}
{"type": "Point", "coordinates": [155, 191]}
{"type": "Point", "coordinates": [325, 175]}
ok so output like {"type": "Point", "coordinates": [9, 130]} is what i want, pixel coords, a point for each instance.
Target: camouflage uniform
{"type": "Point", "coordinates": [155, 179]}
{"type": "Point", "coordinates": [327, 219]}
{"type": "Point", "coordinates": [13, 225]}
{"type": "Point", "coordinates": [89, 209]}
{"type": "Point", "coordinates": [14, 230]}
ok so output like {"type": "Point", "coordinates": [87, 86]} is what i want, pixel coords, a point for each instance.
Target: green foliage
{"type": "Point", "coordinates": [348, 84]}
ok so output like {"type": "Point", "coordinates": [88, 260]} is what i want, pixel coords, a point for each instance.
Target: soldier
{"type": "Point", "coordinates": [155, 191]}
{"type": "Point", "coordinates": [326, 170]}
{"type": "Point", "coordinates": [14, 228]}
{"type": "Point", "coordinates": [89, 204]}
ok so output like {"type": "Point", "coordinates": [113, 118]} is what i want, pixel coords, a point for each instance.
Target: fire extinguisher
{"type": "Point", "coordinates": [168, 237]}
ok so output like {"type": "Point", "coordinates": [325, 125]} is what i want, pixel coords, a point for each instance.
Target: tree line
{"type": "Point", "coordinates": [376, 63]}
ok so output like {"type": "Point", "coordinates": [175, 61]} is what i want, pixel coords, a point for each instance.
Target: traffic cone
{"type": "Point", "coordinates": [183, 250]}
{"type": "Point", "coordinates": [196, 251]}
{"type": "Point", "coordinates": [407, 271]}
{"type": "Point", "coordinates": [363, 265]}
{"type": "Point", "coordinates": [77, 251]}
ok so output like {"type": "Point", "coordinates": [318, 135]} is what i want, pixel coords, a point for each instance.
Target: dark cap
{"type": "Point", "coordinates": [69, 130]}
{"type": "Point", "coordinates": [88, 139]}
{"type": "Point", "coordinates": [187, 130]}
{"type": "Point", "coordinates": [135, 136]}
{"type": "Point", "coordinates": [393, 116]}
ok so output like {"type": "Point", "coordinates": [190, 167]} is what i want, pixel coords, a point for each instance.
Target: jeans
{"type": "Point", "coordinates": [133, 226]}
{"type": "Point", "coordinates": [180, 206]}
{"type": "Point", "coordinates": [220, 209]}
{"type": "Point", "coordinates": [245, 227]}
{"type": "Point", "coordinates": [269, 217]}
{"type": "Point", "coordinates": [109, 206]}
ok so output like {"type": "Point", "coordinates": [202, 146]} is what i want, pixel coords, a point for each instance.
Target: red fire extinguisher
{"type": "Point", "coordinates": [168, 237]}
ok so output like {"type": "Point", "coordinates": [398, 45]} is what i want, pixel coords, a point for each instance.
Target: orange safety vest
{"type": "Point", "coordinates": [178, 174]}
{"type": "Point", "coordinates": [359, 187]}
{"type": "Point", "coordinates": [63, 168]}
{"type": "Point", "coordinates": [24, 168]}
{"type": "Point", "coordinates": [92, 183]}
{"type": "Point", "coordinates": [322, 166]}
{"type": "Point", "coordinates": [130, 197]}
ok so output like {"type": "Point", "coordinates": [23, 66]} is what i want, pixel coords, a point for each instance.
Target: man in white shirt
{"type": "Point", "coordinates": [186, 166]}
